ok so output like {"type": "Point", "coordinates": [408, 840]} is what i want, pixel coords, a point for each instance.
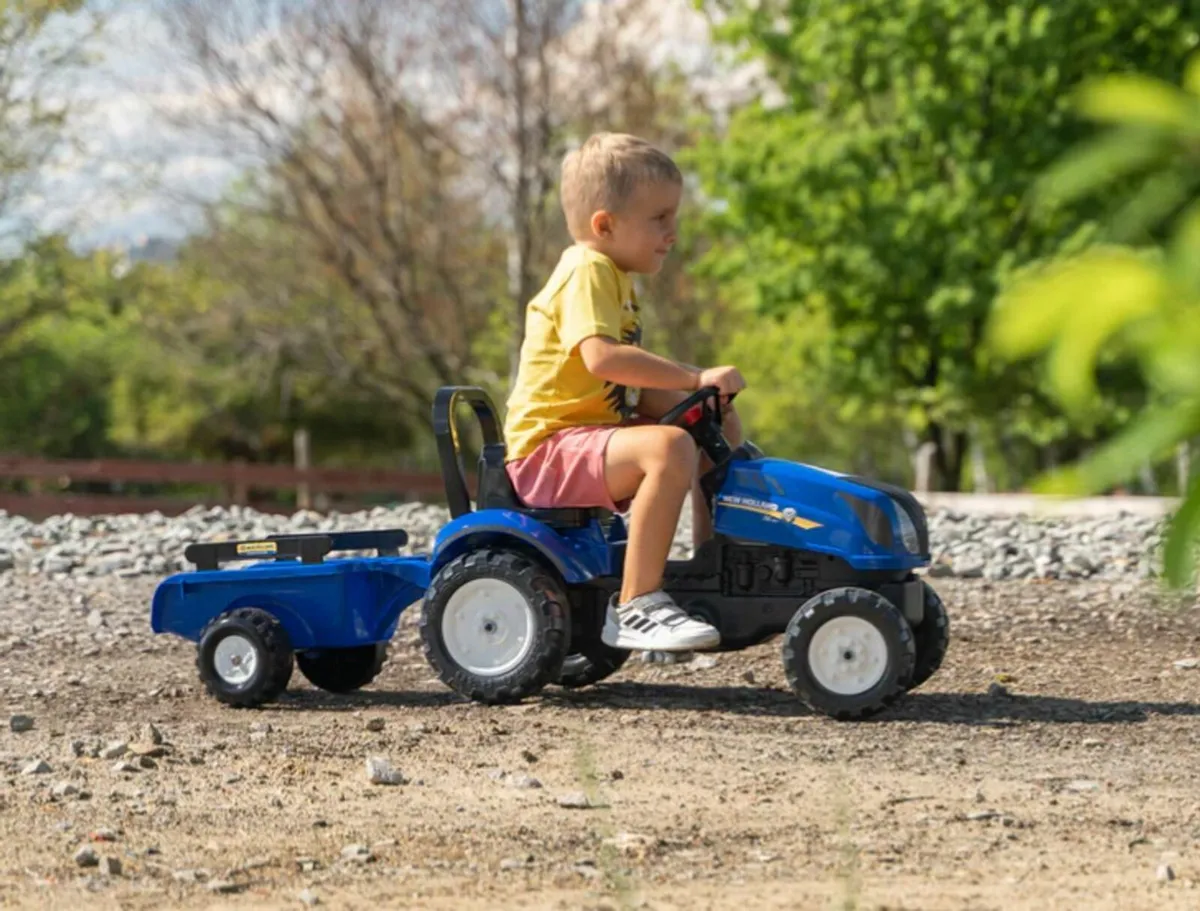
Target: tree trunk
{"type": "Point", "coordinates": [982, 480]}
{"type": "Point", "coordinates": [519, 240]}
{"type": "Point", "coordinates": [949, 456]}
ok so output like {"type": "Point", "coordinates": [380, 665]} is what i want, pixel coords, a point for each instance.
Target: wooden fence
{"type": "Point", "coordinates": [84, 487]}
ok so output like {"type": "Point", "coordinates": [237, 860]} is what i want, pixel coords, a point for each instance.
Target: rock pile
{"type": "Point", "coordinates": [966, 546]}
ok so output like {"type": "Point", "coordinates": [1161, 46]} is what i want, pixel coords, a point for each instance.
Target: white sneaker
{"type": "Point", "coordinates": [654, 623]}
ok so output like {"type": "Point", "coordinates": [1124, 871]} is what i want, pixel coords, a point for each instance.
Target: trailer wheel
{"type": "Point", "coordinates": [342, 670]}
{"type": "Point", "coordinates": [245, 658]}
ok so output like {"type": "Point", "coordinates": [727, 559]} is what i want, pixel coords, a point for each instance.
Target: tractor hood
{"type": "Point", "coordinates": [869, 524]}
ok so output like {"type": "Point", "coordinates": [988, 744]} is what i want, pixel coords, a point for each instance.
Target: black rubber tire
{"type": "Point", "coordinates": [342, 670]}
{"type": "Point", "coordinates": [931, 636]}
{"type": "Point", "coordinates": [273, 657]}
{"type": "Point", "coordinates": [543, 593]}
{"type": "Point", "coordinates": [589, 660]}
{"type": "Point", "coordinates": [849, 602]}
{"type": "Point", "coordinates": [593, 662]}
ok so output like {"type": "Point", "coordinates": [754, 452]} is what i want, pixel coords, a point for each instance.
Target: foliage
{"type": "Point", "coordinates": [57, 366]}
{"type": "Point", "coordinates": [1136, 302]}
{"type": "Point", "coordinates": [886, 187]}
{"type": "Point", "coordinates": [243, 345]}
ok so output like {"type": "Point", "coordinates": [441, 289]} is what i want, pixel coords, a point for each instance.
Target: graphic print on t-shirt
{"type": "Point", "coordinates": [622, 399]}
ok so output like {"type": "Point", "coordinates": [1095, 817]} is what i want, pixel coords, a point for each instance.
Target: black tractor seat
{"type": "Point", "coordinates": [495, 490]}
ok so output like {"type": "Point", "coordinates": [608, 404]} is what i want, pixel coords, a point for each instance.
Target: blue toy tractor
{"type": "Point", "coordinates": [513, 598]}
{"type": "Point", "coordinates": [517, 596]}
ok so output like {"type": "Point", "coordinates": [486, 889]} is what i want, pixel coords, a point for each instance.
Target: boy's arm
{"type": "Point", "coordinates": [628, 365]}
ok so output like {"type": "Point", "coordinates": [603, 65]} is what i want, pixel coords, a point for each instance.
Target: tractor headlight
{"type": "Point", "coordinates": [908, 531]}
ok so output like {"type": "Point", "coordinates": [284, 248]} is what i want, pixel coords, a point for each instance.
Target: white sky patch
{"type": "Point", "coordinates": [130, 173]}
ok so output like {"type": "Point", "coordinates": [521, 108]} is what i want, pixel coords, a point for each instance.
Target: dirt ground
{"type": "Point", "coordinates": [709, 786]}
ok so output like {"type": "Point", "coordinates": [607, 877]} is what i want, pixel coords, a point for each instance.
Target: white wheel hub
{"type": "Point", "coordinates": [235, 659]}
{"type": "Point", "coordinates": [847, 656]}
{"type": "Point", "coordinates": [488, 627]}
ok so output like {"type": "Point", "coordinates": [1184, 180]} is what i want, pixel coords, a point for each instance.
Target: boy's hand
{"type": "Point", "coordinates": [727, 379]}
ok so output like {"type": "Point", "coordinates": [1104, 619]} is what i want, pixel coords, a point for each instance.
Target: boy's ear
{"type": "Point", "coordinates": [602, 223]}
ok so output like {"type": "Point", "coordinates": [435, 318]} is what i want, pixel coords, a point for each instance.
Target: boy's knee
{"type": "Point", "coordinates": [674, 448]}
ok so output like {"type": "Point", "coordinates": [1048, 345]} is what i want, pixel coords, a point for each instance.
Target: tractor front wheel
{"type": "Point", "coordinates": [848, 653]}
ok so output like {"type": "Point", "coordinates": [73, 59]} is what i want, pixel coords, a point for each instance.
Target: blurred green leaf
{"type": "Point", "coordinates": [1138, 100]}
{"type": "Point", "coordinates": [1146, 439]}
{"type": "Point", "coordinates": [1095, 165]}
{"type": "Point", "coordinates": [1180, 549]}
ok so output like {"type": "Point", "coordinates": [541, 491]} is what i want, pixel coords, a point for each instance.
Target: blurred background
{"type": "Point", "coordinates": [263, 233]}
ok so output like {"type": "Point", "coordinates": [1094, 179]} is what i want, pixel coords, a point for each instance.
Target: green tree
{"type": "Point", "coordinates": [885, 188]}
{"type": "Point", "coordinates": [1137, 302]}
{"type": "Point", "coordinates": [246, 340]}
{"type": "Point", "coordinates": [58, 366]}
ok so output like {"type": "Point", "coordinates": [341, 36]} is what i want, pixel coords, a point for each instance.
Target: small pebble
{"type": "Point", "coordinates": [226, 886]}
{"type": "Point", "coordinates": [110, 866]}
{"type": "Point", "coordinates": [36, 767]}
{"type": "Point", "coordinates": [21, 723]}
{"type": "Point", "coordinates": [87, 857]}
{"type": "Point", "coordinates": [115, 750]}
{"type": "Point", "coordinates": [357, 853]}
{"type": "Point", "coordinates": [577, 800]}
{"type": "Point", "coordinates": [380, 771]}
{"type": "Point", "coordinates": [525, 782]}
{"type": "Point", "coordinates": [310, 898]}
{"type": "Point", "coordinates": [1164, 873]}
{"type": "Point", "coordinates": [375, 725]}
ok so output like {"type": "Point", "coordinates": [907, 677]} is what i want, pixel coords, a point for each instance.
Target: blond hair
{"type": "Point", "coordinates": [604, 173]}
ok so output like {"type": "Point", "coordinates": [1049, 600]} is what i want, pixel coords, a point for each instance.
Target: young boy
{"type": "Point", "coordinates": [579, 424]}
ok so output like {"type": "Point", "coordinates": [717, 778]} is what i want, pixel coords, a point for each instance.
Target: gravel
{"type": "Point", "coordinates": [964, 545]}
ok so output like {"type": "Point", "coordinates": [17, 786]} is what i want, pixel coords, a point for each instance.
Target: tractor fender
{"type": "Point", "coordinates": [579, 555]}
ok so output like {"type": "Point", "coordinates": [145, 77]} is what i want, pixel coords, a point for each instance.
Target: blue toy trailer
{"type": "Point", "coordinates": [332, 617]}
{"type": "Point", "coordinates": [514, 598]}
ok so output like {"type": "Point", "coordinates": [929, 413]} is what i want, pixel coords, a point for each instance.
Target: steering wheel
{"type": "Point", "coordinates": [689, 412]}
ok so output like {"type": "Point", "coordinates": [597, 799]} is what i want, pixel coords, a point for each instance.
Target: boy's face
{"type": "Point", "coordinates": [639, 236]}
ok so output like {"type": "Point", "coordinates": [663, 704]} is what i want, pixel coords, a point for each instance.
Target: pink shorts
{"type": "Point", "coordinates": [567, 470]}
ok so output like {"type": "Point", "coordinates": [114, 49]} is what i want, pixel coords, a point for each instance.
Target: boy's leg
{"type": "Point", "coordinates": [654, 466]}
{"type": "Point", "coordinates": [655, 403]}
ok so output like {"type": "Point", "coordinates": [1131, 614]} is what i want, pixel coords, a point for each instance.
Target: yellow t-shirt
{"type": "Point", "coordinates": [587, 295]}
